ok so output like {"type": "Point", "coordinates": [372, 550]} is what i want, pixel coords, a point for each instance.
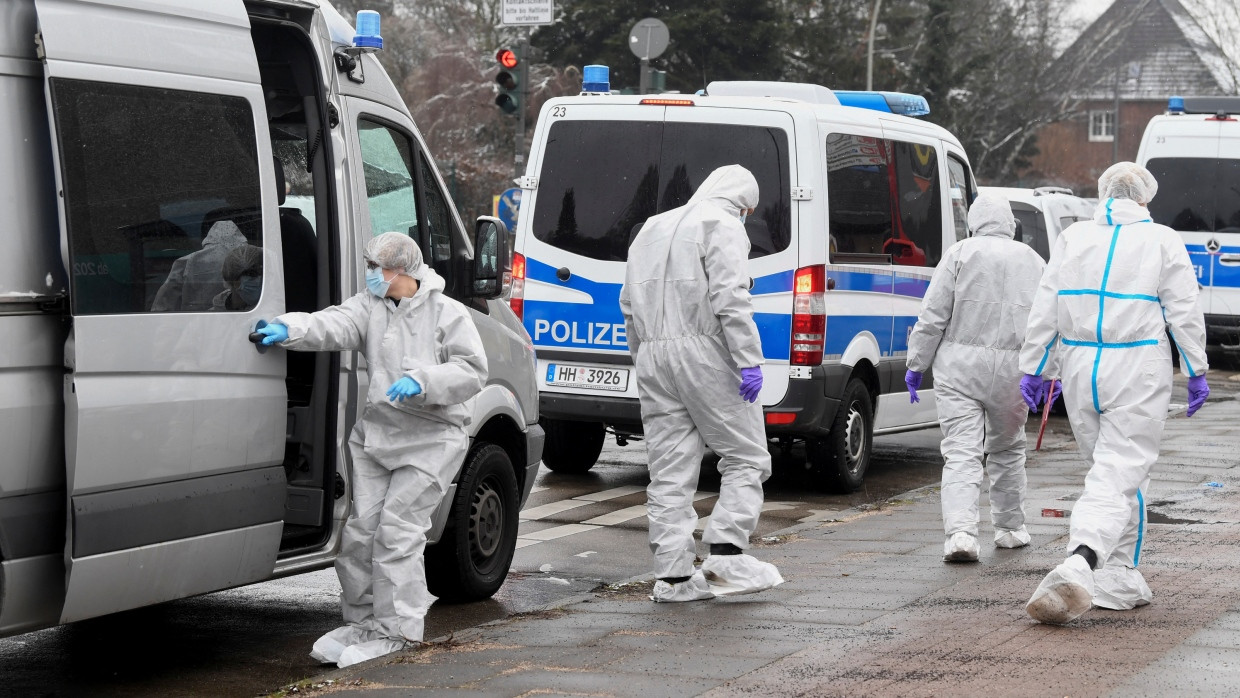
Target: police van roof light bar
{"type": "Point", "coordinates": [1220, 107]}
{"type": "Point", "coordinates": [891, 102]}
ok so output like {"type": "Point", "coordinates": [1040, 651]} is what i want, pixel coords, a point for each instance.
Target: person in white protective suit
{"type": "Point", "coordinates": [1115, 289]}
{"type": "Point", "coordinates": [195, 279]}
{"type": "Point", "coordinates": [970, 330]}
{"type": "Point", "coordinates": [426, 363]}
{"type": "Point", "coordinates": [698, 358]}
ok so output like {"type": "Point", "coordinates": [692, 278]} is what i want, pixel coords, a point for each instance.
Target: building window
{"type": "Point", "coordinates": [1101, 125]}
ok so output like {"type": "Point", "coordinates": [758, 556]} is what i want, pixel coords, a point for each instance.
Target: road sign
{"type": "Point", "coordinates": [507, 208]}
{"type": "Point", "coordinates": [523, 13]}
{"type": "Point", "coordinates": [648, 38]}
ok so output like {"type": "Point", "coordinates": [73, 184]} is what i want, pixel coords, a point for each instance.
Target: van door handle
{"type": "Point", "coordinates": [1230, 259]}
{"type": "Point", "coordinates": [256, 337]}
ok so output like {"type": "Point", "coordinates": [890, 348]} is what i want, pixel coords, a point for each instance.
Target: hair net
{"type": "Point", "coordinates": [396, 251]}
{"type": "Point", "coordinates": [1127, 180]}
{"type": "Point", "coordinates": [991, 214]}
{"type": "Point", "coordinates": [240, 260]}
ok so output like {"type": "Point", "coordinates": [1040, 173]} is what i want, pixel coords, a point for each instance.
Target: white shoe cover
{"type": "Point", "coordinates": [694, 588]}
{"type": "Point", "coordinates": [961, 547]}
{"type": "Point", "coordinates": [327, 649]}
{"type": "Point", "coordinates": [1011, 539]}
{"type": "Point", "coordinates": [369, 650]}
{"type": "Point", "coordinates": [739, 574]}
{"type": "Point", "coordinates": [1065, 594]}
{"type": "Point", "coordinates": [1120, 588]}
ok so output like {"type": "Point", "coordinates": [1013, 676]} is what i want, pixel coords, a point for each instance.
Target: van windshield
{"type": "Point", "coordinates": [601, 180]}
{"type": "Point", "coordinates": [1032, 230]}
{"type": "Point", "coordinates": [1197, 194]}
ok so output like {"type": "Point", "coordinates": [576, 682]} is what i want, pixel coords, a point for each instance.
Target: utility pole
{"type": "Point", "coordinates": [524, 70]}
{"type": "Point", "coordinates": [869, 57]}
{"type": "Point", "coordinates": [1115, 123]}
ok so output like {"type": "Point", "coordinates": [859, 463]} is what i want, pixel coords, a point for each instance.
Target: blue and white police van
{"type": "Point", "coordinates": [857, 205]}
{"type": "Point", "coordinates": [1194, 152]}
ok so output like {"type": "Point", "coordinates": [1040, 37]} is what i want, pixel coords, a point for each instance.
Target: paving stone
{"type": "Point", "coordinates": [597, 684]}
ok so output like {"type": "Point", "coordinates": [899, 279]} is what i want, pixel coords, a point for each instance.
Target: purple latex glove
{"type": "Point", "coordinates": [1198, 391]}
{"type": "Point", "coordinates": [751, 383]}
{"type": "Point", "coordinates": [1052, 388]}
{"type": "Point", "coordinates": [1033, 389]}
{"type": "Point", "coordinates": [913, 380]}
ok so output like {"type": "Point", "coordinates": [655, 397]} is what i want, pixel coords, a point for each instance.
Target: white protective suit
{"type": "Point", "coordinates": [970, 330]}
{"type": "Point", "coordinates": [404, 454]}
{"type": "Point", "coordinates": [197, 278]}
{"type": "Point", "coordinates": [690, 330]}
{"type": "Point", "coordinates": [1115, 288]}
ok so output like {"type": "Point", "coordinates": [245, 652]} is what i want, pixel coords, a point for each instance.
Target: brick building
{"type": "Point", "coordinates": [1144, 51]}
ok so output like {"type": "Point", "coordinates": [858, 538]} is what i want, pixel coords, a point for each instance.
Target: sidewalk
{"type": "Point", "coordinates": [870, 609]}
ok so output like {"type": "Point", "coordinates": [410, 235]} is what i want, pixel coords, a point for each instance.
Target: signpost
{"type": "Point", "coordinates": [524, 13]}
{"type": "Point", "coordinates": [648, 39]}
{"type": "Point", "coordinates": [508, 207]}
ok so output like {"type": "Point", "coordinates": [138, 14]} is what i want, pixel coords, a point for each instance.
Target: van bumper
{"type": "Point", "coordinates": [814, 402]}
{"type": "Point", "coordinates": [625, 413]}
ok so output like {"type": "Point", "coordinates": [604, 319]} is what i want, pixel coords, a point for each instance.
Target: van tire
{"type": "Point", "coordinates": [471, 559]}
{"type": "Point", "coordinates": [840, 459]}
{"type": "Point", "coordinates": [572, 448]}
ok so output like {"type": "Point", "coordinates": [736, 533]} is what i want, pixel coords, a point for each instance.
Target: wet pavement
{"type": "Point", "coordinates": [870, 608]}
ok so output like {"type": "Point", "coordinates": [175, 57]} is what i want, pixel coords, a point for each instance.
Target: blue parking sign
{"type": "Point", "coordinates": [509, 207]}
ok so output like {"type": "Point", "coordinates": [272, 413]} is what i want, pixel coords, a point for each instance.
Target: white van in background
{"type": "Point", "coordinates": [856, 207]}
{"type": "Point", "coordinates": [1194, 152]}
{"type": "Point", "coordinates": [149, 451]}
{"type": "Point", "coordinates": [1042, 213]}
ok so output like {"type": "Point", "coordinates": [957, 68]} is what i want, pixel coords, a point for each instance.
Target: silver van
{"type": "Point", "coordinates": [173, 171]}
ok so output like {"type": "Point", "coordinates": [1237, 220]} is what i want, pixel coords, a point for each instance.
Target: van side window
{"type": "Point", "coordinates": [884, 202]}
{"type": "Point", "coordinates": [438, 221]}
{"type": "Point", "coordinates": [162, 198]}
{"type": "Point", "coordinates": [962, 195]}
{"type": "Point", "coordinates": [387, 163]}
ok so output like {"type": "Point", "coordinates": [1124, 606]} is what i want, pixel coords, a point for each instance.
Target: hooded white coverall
{"type": "Point", "coordinates": [404, 454]}
{"type": "Point", "coordinates": [1114, 288]}
{"type": "Point", "coordinates": [197, 278]}
{"type": "Point", "coordinates": [690, 330]}
{"type": "Point", "coordinates": [971, 328]}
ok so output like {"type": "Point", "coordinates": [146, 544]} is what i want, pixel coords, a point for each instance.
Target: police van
{"type": "Point", "coordinates": [1042, 213]}
{"type": "Point", "coordinates": [150, 450]}
{"type": "Point", "coordinates": [1194, 152]}
{"type": "Point", "coordinates": [857, 205]}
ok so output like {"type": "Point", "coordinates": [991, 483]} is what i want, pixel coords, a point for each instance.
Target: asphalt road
{"type": "Point", "coordinates": [255, 639]}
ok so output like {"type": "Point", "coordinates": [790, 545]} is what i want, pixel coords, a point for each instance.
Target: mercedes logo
{"type": "Point", "coordinates": [1212, 245]}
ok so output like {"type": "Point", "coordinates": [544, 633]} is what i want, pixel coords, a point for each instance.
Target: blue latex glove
{"type": "Point", "coordinates": [1052, 392]}
{"type": "Point", "coordinates": [404, 388]}
{"type": "Point", "coordinates": [751, 383]}
{"type": "Point", "coordinates": [913, 380]}
{"type": "Point", "coordinates": [1198, 391]}
{"type": "Point", "coordinates": [1033, 389]}
{"type": "Point", "coordinates": [275, 332]}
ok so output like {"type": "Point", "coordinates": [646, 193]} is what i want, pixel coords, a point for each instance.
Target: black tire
{"type": "Point", "coordinates": [840, 460]}
{"type": "Point", "coordinates": [471, 560]}
{"type": "Point", "coordinates": [572, 448]}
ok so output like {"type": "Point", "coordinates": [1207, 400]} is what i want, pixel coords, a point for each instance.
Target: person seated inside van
{"type": "Point", "coordinates": [195, 280]}
{"type": "Point", "coordinates": [243, 279]}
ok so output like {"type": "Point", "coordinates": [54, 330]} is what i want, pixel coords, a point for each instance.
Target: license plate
{"type": "Point", "coordinates": [591, 377]}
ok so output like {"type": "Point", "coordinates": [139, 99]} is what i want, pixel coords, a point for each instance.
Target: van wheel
{"type": "Point", "coordinates": [471, 560]}
{"type": "Point", "coordinates": [572, 447]}
{"type": "Point", "coordinates": [840, 460]}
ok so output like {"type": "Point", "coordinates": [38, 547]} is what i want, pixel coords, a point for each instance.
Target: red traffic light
{"type": "Point", "coordinates": [506, 57]}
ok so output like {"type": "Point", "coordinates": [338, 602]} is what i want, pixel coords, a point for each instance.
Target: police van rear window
{"type": "Point", "coordinates": [601, 180]}
{"type": "Point", "coordinates": [1196, 194]}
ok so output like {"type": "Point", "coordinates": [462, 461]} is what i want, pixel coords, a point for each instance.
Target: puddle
{"type": "Point", "coordinates": [1152, 516]}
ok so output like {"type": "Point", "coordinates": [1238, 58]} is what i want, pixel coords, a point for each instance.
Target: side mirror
{"type": "Point", "coordinates": [492, 258]}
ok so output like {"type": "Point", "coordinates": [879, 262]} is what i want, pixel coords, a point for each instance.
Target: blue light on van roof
{"type": "Point", "coordinates": [367, 32]}
{"type": "Point", "coordinates": [1175, 105]}
{"type": "Point", "coordinates": [891, 102]}
{"type": "Point", "coordinates": [596, 78]}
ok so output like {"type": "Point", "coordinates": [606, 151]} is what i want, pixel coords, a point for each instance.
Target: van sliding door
{"type": "Point", "coordinates": [174, 422]}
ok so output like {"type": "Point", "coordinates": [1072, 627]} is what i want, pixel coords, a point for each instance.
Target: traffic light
{"type": "Point", "coordinates": [509, 79]}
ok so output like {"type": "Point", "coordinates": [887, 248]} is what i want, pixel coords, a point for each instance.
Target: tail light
{"type": "Point", "coordinates": [516, 294]}
{"type": "Point", "coordinates": [809, 315]}
{"type": "Point", "coordinates": [781, 418]}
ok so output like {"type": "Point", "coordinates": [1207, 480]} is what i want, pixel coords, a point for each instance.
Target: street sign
{"type": "Point", "coordinates": [507, 208]}
{"type": "Point", "coordinates": [648, 38]}
{"type": "Point", "coordinates": [524, 13]}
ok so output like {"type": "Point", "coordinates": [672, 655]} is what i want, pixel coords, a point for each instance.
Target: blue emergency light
{"type": "Point", "coordinates": [890, 102]}
{"type": "Point", "coordinates": [367, 33]}
{"type": "Point", "coordinates": [596, 78]}
{"type": "Point", "coordinates": [1175, 105]}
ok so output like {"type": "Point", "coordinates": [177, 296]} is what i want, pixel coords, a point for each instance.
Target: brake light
{"type": "Point", "coordinates": [809, 315]}
{"type": "Point", "coordinates": [778, 418]}
{"type": "Point", "coordinates": [664, 102]}
{"type": "Point", "coordinates": [516, 294]}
